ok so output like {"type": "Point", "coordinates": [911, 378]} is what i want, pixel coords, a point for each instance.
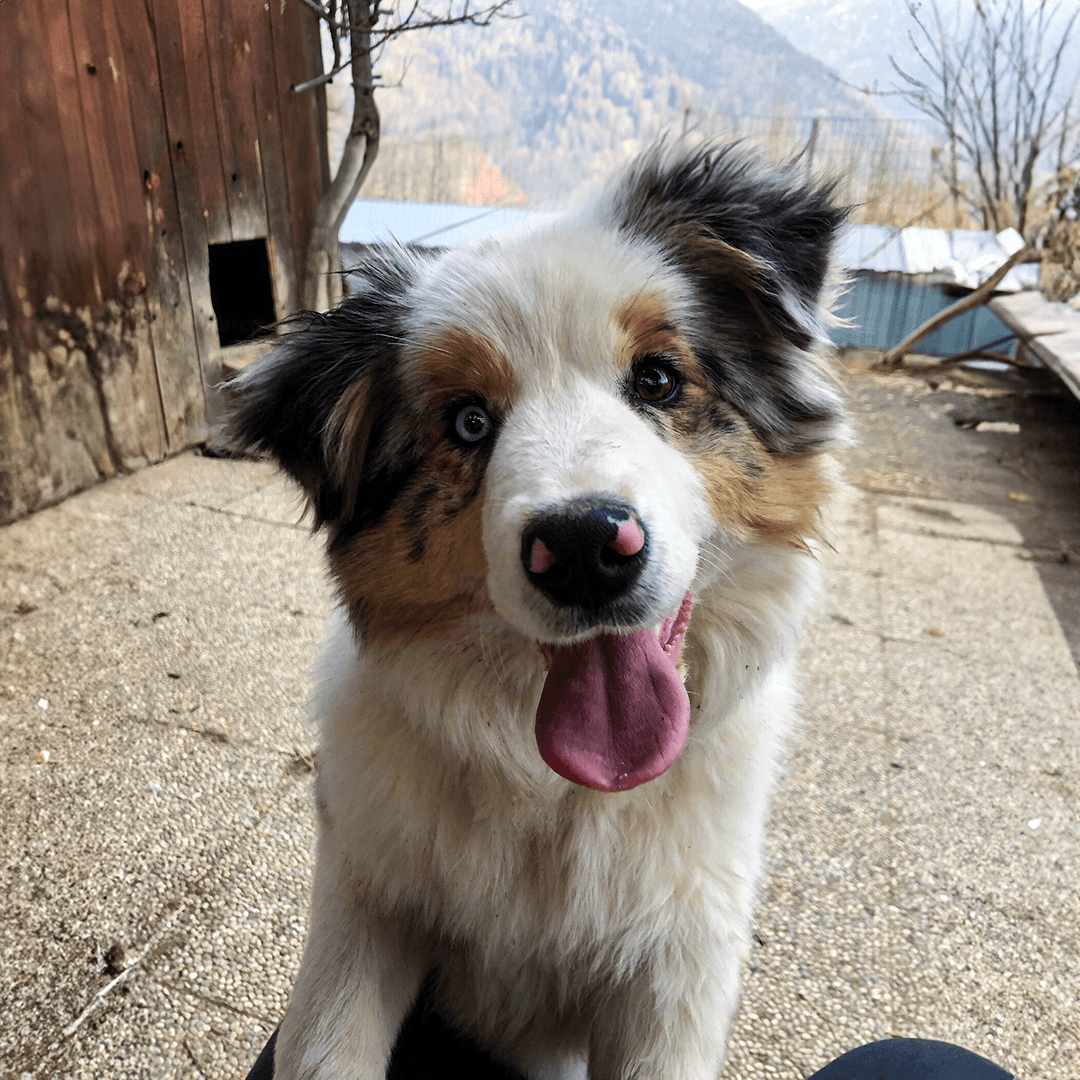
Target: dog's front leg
{"type": "Point", "coordinates": [360, 974]}
{"type": "Point", "coordinates": [669, 1025]}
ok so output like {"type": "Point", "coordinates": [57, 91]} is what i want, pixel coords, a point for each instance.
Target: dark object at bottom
{"type": "Point", "coordinates": [911, 1059]}
{"type": "Point", "coordinates": [427, 1049]}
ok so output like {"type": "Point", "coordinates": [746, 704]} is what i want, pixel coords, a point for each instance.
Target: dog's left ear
{"type": "Point", "coordinates": [755, 243]}
{"type": "Point", "coordinates": [728, 221]}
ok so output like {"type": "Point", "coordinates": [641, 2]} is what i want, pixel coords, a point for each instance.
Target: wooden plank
{"type": "Point", "coordinates": [41, 255]}
{"type": "Point", "coordinates": [186, 82]}
{"type": "Point", "coordinates": [59, 377]}
{"type": "Point", "coordinates": [283, 257]}
{"type": "Point", "coordinates": [84, 277]}
{"type": "Point", "coordinates": [130, 31]}
{"type": "Point", "coordinates": [304, 141]}
{"type": "Point", "coordinates": [53, 426]}
{"type": "Point", "coordinates": [53, 423]}
{"type": "Point", "coordinates": [232, 65]}
{"type": "Point", "coordinates": [196, 168]}
{"type": "Point", "coordinates": [1030, 314]}
{"type": "Point", "coordinates": [125, 361]}
{"type": "Point", "coordinates": [1050, 329]}
{"type": "Point", "coordinates": [19, 182]}
{"type": "Point", "coordinates": [311, 32]}
{"type": "Point", "coordinates": [15, 455]}
{"type": "Point", "coordinates": [113, 175]}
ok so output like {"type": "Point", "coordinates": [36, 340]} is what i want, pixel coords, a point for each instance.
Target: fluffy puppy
{"type": "Point", "coordinates": [569, 481]}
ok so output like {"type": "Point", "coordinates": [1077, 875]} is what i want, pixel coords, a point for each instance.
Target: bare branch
{"type": "Point", "coordinates": [990, 82]}
{"type": "Point", "coordinates": [359, 29]}
{"type": "Point", "coordinates": [892, 357]}
{"type": "Point", "coordinates": [379, 36]}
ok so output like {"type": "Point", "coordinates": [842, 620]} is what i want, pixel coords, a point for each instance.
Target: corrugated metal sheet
{"type": "Point", "coordinates": [881, 309]}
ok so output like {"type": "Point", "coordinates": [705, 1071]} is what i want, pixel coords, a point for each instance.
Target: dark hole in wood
{"type": "Point", "coordinates": [179, 145]}
{"type": "Point", "coordinates": [235, 177]}
{"type": "Point", "coordinates": [241, 291]}
{"type": "Point", "coordinates": [91, 69]}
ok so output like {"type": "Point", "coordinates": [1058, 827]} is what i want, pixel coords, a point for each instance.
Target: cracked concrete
{"type": "Point", "coordinates": [156, 635]}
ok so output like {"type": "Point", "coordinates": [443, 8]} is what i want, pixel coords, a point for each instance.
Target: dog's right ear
{"type": "Point", "coordinates": [330, 406]}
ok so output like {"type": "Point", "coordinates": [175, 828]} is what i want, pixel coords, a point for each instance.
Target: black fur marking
{"type": "Point", "coordinates": [777, 397]}
{"type": "Point", "coordinates": [453, 509]}
{"type": "Point", "coordinates": [284, 403]}
{"type": "Point", "coordinates": [709, 417]}
{"type": "Point", "coordinates": [414, 513]}
{"type": "Point", "coordinates": [756, 242]}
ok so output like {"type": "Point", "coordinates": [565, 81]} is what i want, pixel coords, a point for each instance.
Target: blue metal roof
{"type": "Point", "coordinates": [377, 221]}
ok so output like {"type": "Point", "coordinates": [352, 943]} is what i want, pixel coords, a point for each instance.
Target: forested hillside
{"type": "Point", "coordinates": [536, 108]}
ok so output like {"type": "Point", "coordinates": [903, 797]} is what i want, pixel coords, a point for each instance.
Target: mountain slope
{"type": "Point", "coordinates": [558, 97]}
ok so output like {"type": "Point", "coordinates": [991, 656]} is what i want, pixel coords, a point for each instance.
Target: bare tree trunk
{"type": "Point", "coordinates": [321, 286]}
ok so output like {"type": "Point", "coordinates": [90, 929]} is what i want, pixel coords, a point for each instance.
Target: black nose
{"type": "Point", "coordinates": [585, 555]}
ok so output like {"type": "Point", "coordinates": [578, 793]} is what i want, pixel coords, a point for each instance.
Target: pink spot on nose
{"type": "Point", "coordinates": [540, 558]}
{"type": "Point", "coordinates": [629, 540]}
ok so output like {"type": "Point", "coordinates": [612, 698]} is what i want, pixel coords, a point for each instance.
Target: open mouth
{"type": "Point", "coordinates": [614, 712]}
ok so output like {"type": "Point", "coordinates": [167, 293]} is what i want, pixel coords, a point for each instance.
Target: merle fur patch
{"type": "Point", "coordinates": [756, 243]}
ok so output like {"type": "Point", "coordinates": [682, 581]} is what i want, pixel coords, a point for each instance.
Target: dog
{"type": "Point", "coordinates": [570, 481]}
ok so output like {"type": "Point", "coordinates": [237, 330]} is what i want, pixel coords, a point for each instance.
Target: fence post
{"type": "Point", "coordinates": [811, 145]}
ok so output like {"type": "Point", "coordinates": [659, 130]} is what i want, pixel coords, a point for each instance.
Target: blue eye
{"type": "Point", "coordinates": [472, 424]}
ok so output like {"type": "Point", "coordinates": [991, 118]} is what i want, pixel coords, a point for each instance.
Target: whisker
{"type": "Point", "coordinates": [709, 545]}
{"type": "Point", "coordinates": [720, 569]}
{"type": "Point", "coordinates": [484, 654]}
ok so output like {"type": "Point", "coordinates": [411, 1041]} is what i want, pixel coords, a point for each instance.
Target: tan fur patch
{"type": "Point", "coordinates": [730, 489]}
{"type": "Point", "coordinates": [644, 328]}
{"type": "Point", "coordinates": [788, 505]}
{"type": "Point", "coordinates": [419, 573]}
{"type": "Point", "coordinates": [395, 596]}
{"type": "Point", "coordinates": [778, 499]}
{"type": "Point", "coordinates": [750, 491]}
{"type": "Point", "coordinates": [346, 437]}
{"type": "Point", "coordinates": [461, 363]}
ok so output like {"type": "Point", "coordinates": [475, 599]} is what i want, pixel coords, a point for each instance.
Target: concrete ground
{"type": "Point", "coordinates": [155, 764]}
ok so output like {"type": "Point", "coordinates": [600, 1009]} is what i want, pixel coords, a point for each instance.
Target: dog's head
{"type": "Point", "coordinates": [550, 430]}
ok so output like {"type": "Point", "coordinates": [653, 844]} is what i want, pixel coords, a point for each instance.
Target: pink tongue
{"type": "Point", "coordinates": [614, 712]}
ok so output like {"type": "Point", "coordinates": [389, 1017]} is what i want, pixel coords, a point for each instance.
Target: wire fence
{"type": "Point", "coordinates": [884, 168]}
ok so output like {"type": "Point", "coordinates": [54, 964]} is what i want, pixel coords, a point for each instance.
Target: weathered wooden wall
{"type": "Point", "coordinates": [134, 134]}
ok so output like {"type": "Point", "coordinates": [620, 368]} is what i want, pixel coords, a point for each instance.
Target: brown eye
{"type": "Point", "coordinates": [655, 381]}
